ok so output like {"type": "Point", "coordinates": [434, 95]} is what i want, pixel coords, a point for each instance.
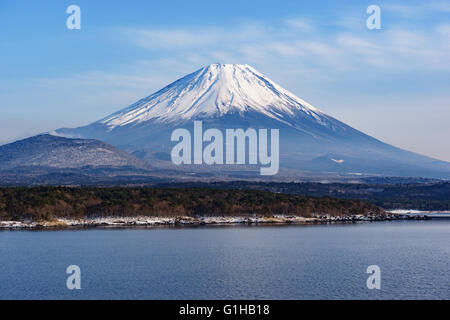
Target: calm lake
{"type": "Point", "coordinates": [231, 262]}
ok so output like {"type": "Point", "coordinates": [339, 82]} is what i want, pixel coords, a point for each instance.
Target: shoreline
{"type": "Point", "coordinates": [216, 220]}
{"type": "Point", "coordinates": [412, 211]}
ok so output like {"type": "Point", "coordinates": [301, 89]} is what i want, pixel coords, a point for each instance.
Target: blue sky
{"type": "Point", "coordinates": [393, 83]}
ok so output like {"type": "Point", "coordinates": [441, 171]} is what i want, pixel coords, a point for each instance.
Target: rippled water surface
{"type": "Point", "coordinates": [264, 262]}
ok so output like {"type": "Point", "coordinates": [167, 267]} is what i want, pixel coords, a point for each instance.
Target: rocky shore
{"type": "Point", "coordinates": [161, 221]}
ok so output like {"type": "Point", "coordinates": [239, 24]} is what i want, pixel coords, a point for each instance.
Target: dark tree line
{"type": "Point", "coordinates": [420, 196]}
{"type": "Point", "coordinates": [46, 203]}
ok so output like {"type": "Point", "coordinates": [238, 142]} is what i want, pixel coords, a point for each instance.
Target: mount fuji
{"type": "Point", "coordinates": [237, 96]}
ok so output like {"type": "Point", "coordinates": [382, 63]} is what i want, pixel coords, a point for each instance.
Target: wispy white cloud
{"type": "Point", "coordinates": [444, 30]}
{"type": "Point", "coordinates": [416, 10]}
{"type": "Point", "coordinates": [442, 6]}
{"type": "Point", "coordinates": [172, 38]}
{"type": "Point", "coordinates": [300, 23]}
{"type": "Point", "coordinates": [341, 49]}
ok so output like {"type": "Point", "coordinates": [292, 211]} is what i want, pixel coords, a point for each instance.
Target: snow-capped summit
{"type": "Point", "coordinates": [231, 96]}
{"type": "Point", "coordinates": [214, 91]}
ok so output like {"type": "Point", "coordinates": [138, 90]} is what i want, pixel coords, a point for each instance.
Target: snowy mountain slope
{"type": "Point", "coordinates": [213, 91]}
{"type": "Point", "coordinates": [237, 96]}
